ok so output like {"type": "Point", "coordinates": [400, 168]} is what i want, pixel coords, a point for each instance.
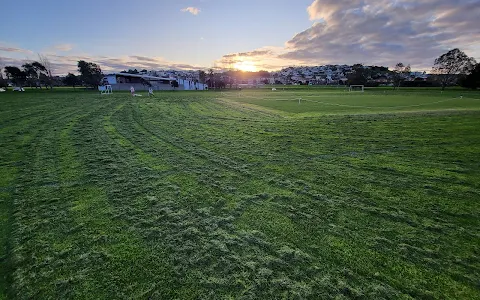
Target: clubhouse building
{"type": "Point", "coordinates": [123, 82]}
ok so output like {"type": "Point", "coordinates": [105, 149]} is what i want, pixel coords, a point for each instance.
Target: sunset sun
{"type": "Point", "coordinates": [246, 66]}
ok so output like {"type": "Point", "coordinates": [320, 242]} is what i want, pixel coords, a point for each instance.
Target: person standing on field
{"type": "Point", "coordinates": [150, 92]}
{"type": "Point", "coordinates": [132, 91]}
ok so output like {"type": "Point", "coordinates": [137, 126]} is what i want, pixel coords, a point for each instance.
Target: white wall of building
{"type": "Point", "coordinates": [190, 85]}
{"type": "Point", "coordinates": [112, 79]}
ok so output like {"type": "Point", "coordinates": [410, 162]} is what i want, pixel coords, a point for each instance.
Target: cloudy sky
{"type": "Point", "coordinates": [248, 34]}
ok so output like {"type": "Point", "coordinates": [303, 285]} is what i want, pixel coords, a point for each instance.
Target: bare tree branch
{"type": "Point", "coordinates": [48, 67]}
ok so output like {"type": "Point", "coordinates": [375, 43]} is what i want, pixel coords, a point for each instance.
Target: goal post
{"type": "Point", "coordinates": [105, 89]}
{"type": "Point", "coordinates": [357, 88]}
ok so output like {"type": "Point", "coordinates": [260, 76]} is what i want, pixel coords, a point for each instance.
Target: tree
{"type": "Point", "coordinates": [71, 80]}
{"type": "Point", "coordinates": [47, 77]}
{"type": "Point", "coordinates": [174, 84]}
{"type": "Point", "coordinates": [90, 73]}
{"type": "Point", "coordinates": [451, 65]}
{"type": "Point", "coordinates": [17, 76]}
{"type": "Point", "coordinates": [130, 71]}
{"type": "Point", "coordinates": [211, 79]}
{"type": "Point", "coordinates": [30, 74]}
{"type": "Point", "coordinates": [219, 82]}
{"type": "Point", "coordinates": [359, 75]}
{"type": "Point", "coordinates": [202, 76]}
{"type": "Point", "coordinates": [399, 73]}
{"type": "Point", "coordinates": [472, 80]}
{"type": "Point", "coordinates": [3, 81]}
{"type": "Point", "coordinates": [34, 72]}
{"type": "Point", "coordinates": [145, 82]}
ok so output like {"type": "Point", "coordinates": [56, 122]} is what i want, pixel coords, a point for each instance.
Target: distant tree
{"type": "Point", "coordinates": [17, 76]}
{"type": "Point", "coordinates": [451, 65]}
{"type": "Point", "coordinates": [3, 81]}
{"type": "Point", "coordinates": [220, 84]}
{"type": "Point", "coordinates": [263, 74]}
{"type": "Point", "coordinates": [472, 80]}
{"type": "Point", "coordinates": [230, 82]}
{"type": "Point", "coordinates": [359, 75]}
{"type": "Point", "coordinates": [145, 82]}
{"type": "Point", "coordinates": [144, 71]}
{"type": "Point", "coordinates": [71, 80]}
{"type": "Point", "coordinates": [34, 72]}
{"type": "Point", "coordinates": [211, 78]}
{"type": "Point", "coordinates": [90, 73]}
{"type": "Point", "coordinates": [130, 71]}
{"type": "Point", "coordinates": [47, 77]}
{"type": "Point", "coordinates": [174, 84]}
{"type": "Point", "coordinates": [400, 72]}
{"type": "Point", "coordinates": [202, 76]}
{"type": "Point", "coordinates": [379, 69]}
{"type": "Point", "coordinates": [31, 76]}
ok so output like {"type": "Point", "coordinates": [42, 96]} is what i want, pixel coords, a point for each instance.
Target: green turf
{"type": "Point", "coordinates": [240, 195]}
{"type": "Point", "coordinates": [340, 101]}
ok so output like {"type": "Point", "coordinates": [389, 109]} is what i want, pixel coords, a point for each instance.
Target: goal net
{"type": "Point", "coordinates": [105, 89]}
{"type": "Point", "coordinates": [356, 88]}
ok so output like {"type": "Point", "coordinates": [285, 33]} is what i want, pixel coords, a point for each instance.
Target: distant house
{"type": "Point", "coordinates": [382, 79]}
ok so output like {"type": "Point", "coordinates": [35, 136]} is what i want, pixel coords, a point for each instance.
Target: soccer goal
{"type": "Point", "coordinates": [106, 90]}
{"type": "Point", "coordinates": [356, 88]}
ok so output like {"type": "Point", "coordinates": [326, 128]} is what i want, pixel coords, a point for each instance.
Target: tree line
{"type": "Point", "coordinates": [90, 75]}
{"type": "Point", "coordinates": [36, 74]}
{"type": "Point", "coordinates": [452, 67]}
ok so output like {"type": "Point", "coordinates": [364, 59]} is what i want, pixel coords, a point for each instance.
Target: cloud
{"type": "Point", "coordinates": [266, 58]}
{"type": "Point", "coordinates": [14, 49]}
{"type": "Point", "coordinates": [374, 32]}
{"type": "Point", "coordinates": [255, 53]}
{"type": "Point", "coordinates": [193, 10]}
{"type": "Point", "coordinates": [143, 58]}
{"type": "Point", "coordinates": [377, 32]}
{"type": "Point", "coordinates": [243, 55]}
{"type": "Point", "coordinates": [63, 64]}
{"type": "Point", "coordinates": [385, 32]}
{"type": "Point", "coordinates": [63, 47]}
{"type": "Point", "coordinates": [325, 9]}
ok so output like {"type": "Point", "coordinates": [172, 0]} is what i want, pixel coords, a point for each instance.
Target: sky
{"type": "Point", "coordinates": [249, 35]}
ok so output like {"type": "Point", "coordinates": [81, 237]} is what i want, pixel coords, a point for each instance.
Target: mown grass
{"type": "Point", "coordinates": [213, 195]}
{"type": "Point", "coordinates": [314, 101]}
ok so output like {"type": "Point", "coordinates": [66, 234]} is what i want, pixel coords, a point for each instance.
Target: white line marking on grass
{"type": "Point", "coordinates": [346, 105]}
{"type": "Point", "coordinates": [399, 106]}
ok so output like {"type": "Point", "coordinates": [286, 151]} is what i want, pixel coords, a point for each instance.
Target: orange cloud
{"type": "Point", "coordinates": [193, 10]}
{"type": "Point", "coordinates": [63, 47]}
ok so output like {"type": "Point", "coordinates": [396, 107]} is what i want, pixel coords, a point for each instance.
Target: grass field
{"type": "Point", "coordinates": [240, 195]}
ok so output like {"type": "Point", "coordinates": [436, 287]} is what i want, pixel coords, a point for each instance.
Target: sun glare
{"type": "Point", "coordinates": [246, 66]}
